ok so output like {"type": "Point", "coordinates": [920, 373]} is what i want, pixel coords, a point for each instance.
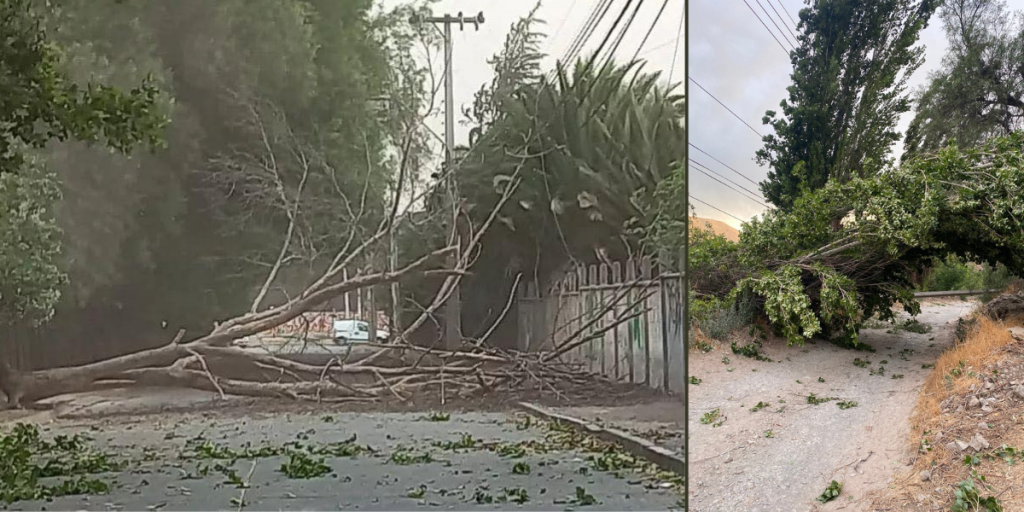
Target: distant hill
{"type": "Point", "coordinates": [718, 227]}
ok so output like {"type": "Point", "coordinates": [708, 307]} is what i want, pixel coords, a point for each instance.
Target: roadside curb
{"type": "Point", "coordinates": [638, 446]}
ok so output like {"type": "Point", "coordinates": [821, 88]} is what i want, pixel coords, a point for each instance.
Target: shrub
{"type": "Point", "coordinates": [715, 318]}
{"type": "Point", "coordinates": [956, 273]}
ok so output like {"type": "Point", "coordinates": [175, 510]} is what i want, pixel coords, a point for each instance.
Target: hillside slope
{"type": "Point", "coordinates": [718, 227]}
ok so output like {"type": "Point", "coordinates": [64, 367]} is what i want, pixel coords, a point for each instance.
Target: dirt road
{"type": "Point", "coordinates": [782, 454]}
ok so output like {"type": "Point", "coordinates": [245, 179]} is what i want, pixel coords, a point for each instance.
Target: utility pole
{"type": "Point", "coordinates": [453, 306]}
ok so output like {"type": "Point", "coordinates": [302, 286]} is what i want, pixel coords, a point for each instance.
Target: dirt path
{"type": "Point", "coordinates": [736, 466]}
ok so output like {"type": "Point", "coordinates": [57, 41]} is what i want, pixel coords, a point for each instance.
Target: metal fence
{"type": "Point", "coordinates": [624, 319]}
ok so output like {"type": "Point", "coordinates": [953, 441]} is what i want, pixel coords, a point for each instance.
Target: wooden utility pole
{"type": "Point", "coordinates": [453, 306]}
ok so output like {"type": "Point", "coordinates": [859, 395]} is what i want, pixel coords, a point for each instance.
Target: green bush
{"type": "Point", "coordinates": [955, 273]}
{"type": "Point", "coordinates": [716, 318]}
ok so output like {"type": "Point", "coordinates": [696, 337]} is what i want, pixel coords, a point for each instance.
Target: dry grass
{"type": "Point", "coordinates": [980, 349]}
{"type": "Point", "coordinates": [989, 353]}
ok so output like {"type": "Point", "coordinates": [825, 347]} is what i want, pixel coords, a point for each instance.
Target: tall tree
{"type": "Point", "coordinates": [152, 242]}
{"type": "Point", "coordinates": [40, 104]}
{"type": "Point", "coordinates": [591, 143]}
{"type": "Point", "coordinates": [979, 90]}
{"type": "Point", "coordinates": [850, 72]}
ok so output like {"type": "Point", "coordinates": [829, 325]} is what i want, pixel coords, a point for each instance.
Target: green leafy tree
{"type": "Point", "coordinates": [151, 242]}
{"type": "Point", "coordinates": [590, 144]}
{"type": "Point", "coordinates": [813, 279]}
{"type": "Point", "coordinates": [850, 71]}
{"type": "Point", "coordinates": [979, 90]}
{"type": "Point", "coordinates": [40, 104]}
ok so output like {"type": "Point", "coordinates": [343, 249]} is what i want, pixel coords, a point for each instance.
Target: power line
{"type": "Point", "coordinates": [597, 14]}
{"type": "Point", "coordinates": [593, 58]}
{"type": "Point", "coordinates": [787, 13]}
{"type": "Point", "coordinates": [650, 29]}
{"type": "Point", "coordinates": [780, 17]}
{"type": "Point", "coordinates": [561, 25]}
{"type": "Point", "coordinates": [622, 34]}
{"type": "Point", "coordinates": [727, 108]}
{"type": "Point", "coordinates": [584, 29]}
{"type": "Point", "coordinates": [716, 208]}
{"type": "Point", "coordinates": [675, 52]}
{"type": "Point", "coordinates": [723, 163]}
{"type": "Point", "coordinates": [590, 62]}
{"type": "Point", "coordinates": [659, 46]}
{"type": "Point", "coordinates": [769, 16]}
{"type": "Point", "coordinates": [730, 188]}
{"type": "Point", "coordinates": [766, 27]}
{"type": "Point", "coordinates": [751, 192]}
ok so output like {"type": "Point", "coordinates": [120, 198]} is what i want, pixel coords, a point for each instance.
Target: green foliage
{"type": "Point", "coordinates": [967, 498]}
{"type": "Point", "coordinates": [582, 498]}
{"type": "Point", "coordinates": [749, 350]}
{"type": "Point", "coordinates": [438, 416]}
{"type": "Point", "coordinates": [590, 144]}
{"type": "Point", "coordinates": [465, 442]}
{"type": "Point", "coordinates": [957, 273]}
{"type": "Point", "coordinates": [717, 318]}
{"type": "Point", "coordinates": [978, 92]}
{"type": "Point", "coordinates": [815, 400]}
{"type": "Point", "coordinates": [405, 458]}
{"type": "Point", "coordinates": [69, 461]}
{"type": "Point", "coordinates": [710, 417]}
{"type": "Point", "coordinates": [150, 234]}
{"type": "Point", "coordinates": [30, 280]}
{"type": "Point", "coordinates": [850, 70]}
{"type": "Point", "coordinates": [40, 104]}
{"type": "Point", "coordinates": [831, 492]}
{"type": "Point", "coordinates": [302, 465]}
{"type": "Point", "coordinates": [897, 223]}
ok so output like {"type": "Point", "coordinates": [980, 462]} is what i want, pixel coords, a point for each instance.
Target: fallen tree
{"type": "Point", "coordinates": [850, 250]}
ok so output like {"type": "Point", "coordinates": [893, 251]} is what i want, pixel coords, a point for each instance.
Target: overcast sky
{"type": "Point", "coordinates": [732, 55]}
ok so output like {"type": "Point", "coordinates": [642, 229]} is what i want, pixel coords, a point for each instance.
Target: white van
{"type": "Point", "coordinates": [356, 331]}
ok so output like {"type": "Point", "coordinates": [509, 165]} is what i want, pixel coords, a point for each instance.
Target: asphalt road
{"type": "Point", "coordinates": [161, 478]}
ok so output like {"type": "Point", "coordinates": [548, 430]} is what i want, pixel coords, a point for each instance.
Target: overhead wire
{"type": "Point", "coordinates": [781, 32]}
{"type": "Point", "coordinates": [747, 190]}
{"type": "Point", "coordinates": [650, 29]}
{"type": "Point", "coordinates": [766, 27]}
{"type": "Point", "coordinates": [675, 52]}
{"type": "Point", "coordinates": [622, 34]}
{"type": "Point", "coordinates": [597, 15]}
{"type": "Point", "coordinates": [561, 25]}
{"type": "Point", "coordinates": [727, 108]}
{"type": "Point", "coordinates": [723, 163]}
{"type": "Point", "coordinates": [787, 13]}
{"type": "Point", "coordinates": [728, 187]}
{"type": "Point", "coordinates": [590, 62]}
{"type": "Point", "coordinates": [716, 208]}
{"type": "Point", "coordinates": [780, 17]}
{"type": "Point", "coordinates": [658, 46]}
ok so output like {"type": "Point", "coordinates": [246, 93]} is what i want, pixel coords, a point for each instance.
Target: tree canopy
{"type": "Point", "coordinates": [590, 143]}
{"type": "Point", "coordinates": [153, 242]}
{"type": "Point", "coordinates": [850, 71]}
{"type": "Point", "coordinates": [40, 104]}
{"type": "Point", "coordinates": [978, 92]}
{"type": "Point", "coordinates": [813, 279]}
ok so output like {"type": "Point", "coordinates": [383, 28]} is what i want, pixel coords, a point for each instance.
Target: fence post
{"type": "Point", "coordinates": [673, 322]}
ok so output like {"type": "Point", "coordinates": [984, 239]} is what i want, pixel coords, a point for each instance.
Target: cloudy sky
{"type": "Point", "coordinates": [731, 55]}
